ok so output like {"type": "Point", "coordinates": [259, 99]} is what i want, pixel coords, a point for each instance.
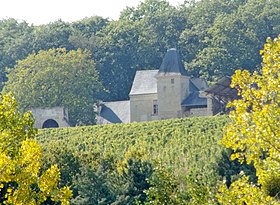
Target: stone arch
{"type": "Point", "coordinates": [50, 123]}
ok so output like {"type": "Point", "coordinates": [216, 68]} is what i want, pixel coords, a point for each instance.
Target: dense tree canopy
{"type": "Point", "coordinates": [229, 35]}
{"type": "Point", "coordinates": [15, 43]}
{"type": "Point", "coordinates": [52, 35]}
{"type": "Point", "coordinates": [214, 37]}
{"type": "Point", "coordinates": [57, 78]}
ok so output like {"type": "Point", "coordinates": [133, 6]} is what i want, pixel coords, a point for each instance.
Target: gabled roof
{"type": "Point", "coordinates": [193, 87]}
{"type": "Point", "coordinates": [200, 83]}
{"type": "Point", "coordinates": [144, 82]}
{"type": "Point", "coordinates": [193, 99]}
{"type": "Point", "coordinates": [172, 64]}
{"type": "Point", "coordinates": [114, 112]}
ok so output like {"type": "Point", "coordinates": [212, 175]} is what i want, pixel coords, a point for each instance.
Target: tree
{"type": "Point", "coordinates": [233, 38]}
{"type": "Point", "coordinates": [57, 78]}
{"type": "Point", "coordinates": [89, 26]}
{"type": "Point", "coordinates": [254, 132]}
{"type": "Point", "coordinates": [164, 188]}
{"type": "Point", "coordinates": [137, 41]}
{"type": "Point", "coordinates": [201, 15]}
{"type": "Point", "coordinates": [134, 170]}
{"type": "Point", "coordinates": [52, 35]}
{"type": "Point", "coordinates": [83, 35]}
{"type": "Point", "coordinates": [15, 44]}
{"type": "Point", "coordinates": [20, 161]}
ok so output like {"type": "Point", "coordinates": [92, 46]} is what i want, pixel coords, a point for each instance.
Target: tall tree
{"type": "Point", "coordinates": [57, 78]}
{"type": "Point", "coordinates": [201, 15]}
{"type": "Point", "coordinates": [115, 52]}
{"type": "Point", "coordinates": [89, 26]}
{"type": "Point", "coordinates": [235, 38]}
{"type": "Point", "coordinates": [83, 35]}
{"type": "Point", "coordinates": [52, 35]}
{"type": "Point", "coordinates": [15, 44]}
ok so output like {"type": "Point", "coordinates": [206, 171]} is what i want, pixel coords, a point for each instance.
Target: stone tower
{"type": "Point", "coordinates": [172, 86]}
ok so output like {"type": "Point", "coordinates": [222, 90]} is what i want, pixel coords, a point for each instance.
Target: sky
{"type": "Point", "coordinates": [44, 11]}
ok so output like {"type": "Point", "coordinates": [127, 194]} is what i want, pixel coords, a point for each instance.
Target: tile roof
{"type": "Point", "coordinates": [144, 82]}
{"type": "Point", "coordinates": [114, 112]}
{"type": "Point", "coordinates": [194, 99]}
{"type": "Point", "coordinates": [200, 83]}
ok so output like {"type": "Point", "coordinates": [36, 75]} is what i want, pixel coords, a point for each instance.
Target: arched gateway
{"type": "Point", "coordinates": [50, 117]}
{"type": "Point", "coordinates": [50, 123]}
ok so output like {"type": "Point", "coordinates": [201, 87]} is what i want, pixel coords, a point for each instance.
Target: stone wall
{"type": "Point", "coordinates": [50, 117]}
{"type": "Point", "coordinates": [198, 112]}
{"type": "Point", "coordinates": [142, 107]}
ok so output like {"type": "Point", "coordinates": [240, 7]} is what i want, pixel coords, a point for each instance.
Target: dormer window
{"type": "Point", "coordinates": [172, 81]}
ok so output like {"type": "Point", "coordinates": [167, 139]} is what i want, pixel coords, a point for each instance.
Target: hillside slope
{"type": "Point", "coordinates": [188, 142]}
{"type": "Point", "coordinates": [184, 146]}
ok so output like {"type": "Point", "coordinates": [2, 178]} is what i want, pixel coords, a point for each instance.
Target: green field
{"type": "Point", "coordinates": [182, 146]}
{"type": "Point", "coordinates": [180, 143]}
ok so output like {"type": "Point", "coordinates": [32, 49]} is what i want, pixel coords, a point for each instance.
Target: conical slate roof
{"type": "Point", "coordinates": [172, 64]}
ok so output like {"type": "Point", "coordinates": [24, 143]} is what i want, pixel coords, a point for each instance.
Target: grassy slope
{"type": "Point", "coordinates": [182, 144]}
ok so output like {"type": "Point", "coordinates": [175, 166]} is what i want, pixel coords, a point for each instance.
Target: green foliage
{"type": "Point", "coordinates": [134, 171]}
{"type": "Point", "coordinates": [253, 132]}
{"type": "Point", "coordinates": [115, 50]}
{"type": "Point", "coordinates": [15, 127]}
{"type": "Point", "coordinates": [52, 35]}
{"type": "Point", "coordinates": [243, 192]}
{"type": "Point", "coordinates": [201, 188]}
{"type": "Point", "coordinates": [230, 169]}
{"type": "Point", "coordinates": [214, 37]}
{"type": "Point", "coordinates": [123, 158]}
{"type": "Point", "coordinates": [20, 161]}
{"type": "Point", "coordinates": [146, 8]}
{"type": "Point", "coordinates": [15, 44]}
{"type": "Point", "coordinates": [93, 187]}
{"type": "Point", "coordinates": [89, 26]}
{"type": "Point", "coordinates": [57, 78]}
{"type": "Point", "coordinates": [165, 188]}
{"type": "Point", "coordinates": [234, 36]}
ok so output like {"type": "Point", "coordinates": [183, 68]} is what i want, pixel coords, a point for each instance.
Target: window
{"type": "Point", "coordinates": [155, 107]}
{"type": "Point", "coordinates": [172, 81]}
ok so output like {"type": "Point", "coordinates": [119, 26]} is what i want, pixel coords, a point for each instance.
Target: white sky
{"type": "Point", "coordinates": [45, 11]}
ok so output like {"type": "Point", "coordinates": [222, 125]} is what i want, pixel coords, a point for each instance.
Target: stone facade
{"type": "Point", "coordinates": [50, 117]}
{"type": "Point", "coordinates": [143, 107]}
{"type": "Point", "coordinates": [172, 90]}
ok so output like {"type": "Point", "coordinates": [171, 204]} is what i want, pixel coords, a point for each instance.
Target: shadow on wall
{"type": "Point", "coordinates": [109, 115]}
